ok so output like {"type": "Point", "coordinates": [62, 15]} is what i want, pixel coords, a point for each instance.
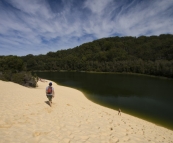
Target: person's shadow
{"type": "Point", "coordinates": [47, 102]}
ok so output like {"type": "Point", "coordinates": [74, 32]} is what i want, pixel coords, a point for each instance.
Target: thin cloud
{"type": "Point", "coordinates": [39, 26]}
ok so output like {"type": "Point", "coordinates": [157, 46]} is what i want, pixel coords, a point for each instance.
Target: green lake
{"type": "Point", "coordinates": [146, 97]}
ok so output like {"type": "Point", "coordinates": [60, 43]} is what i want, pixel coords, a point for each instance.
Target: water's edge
{"type": "Point", "coordinates": [73, 84]}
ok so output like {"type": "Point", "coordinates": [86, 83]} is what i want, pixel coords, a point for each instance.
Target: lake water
{"type": "Point", "coordinates": [149, 98]}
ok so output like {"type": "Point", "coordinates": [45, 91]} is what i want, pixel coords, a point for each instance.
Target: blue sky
{"type": "Point", "coordinates": [39, 26]}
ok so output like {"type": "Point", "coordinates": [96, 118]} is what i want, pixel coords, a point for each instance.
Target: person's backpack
{"type": "Point", "coordinates": [49, 90]}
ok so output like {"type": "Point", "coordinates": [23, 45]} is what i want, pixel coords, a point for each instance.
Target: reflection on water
{"type": "Point", "coordinates": [146, 97]}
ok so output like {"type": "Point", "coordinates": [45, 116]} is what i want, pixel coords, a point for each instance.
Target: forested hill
{"type": "Point", "coordinates": [147, 55]}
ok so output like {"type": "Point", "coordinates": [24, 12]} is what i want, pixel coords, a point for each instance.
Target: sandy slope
{"type": "Point", "coordinates": [25, 117]}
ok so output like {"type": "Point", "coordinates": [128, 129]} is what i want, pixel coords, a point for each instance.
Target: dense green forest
{"type": "Point", "coordinates": [146, 55]}
{"type": "Point", "coordinates": [12, 68]}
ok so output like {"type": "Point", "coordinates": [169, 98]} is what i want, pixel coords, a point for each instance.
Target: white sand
{"type": "Point", "coordinates": [25, 117]}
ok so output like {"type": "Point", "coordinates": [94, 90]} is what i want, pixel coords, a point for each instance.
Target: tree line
{"type": "Point", "coordinates": [151, 55]}
{"type": "Point", "coordinates": [146, 55]}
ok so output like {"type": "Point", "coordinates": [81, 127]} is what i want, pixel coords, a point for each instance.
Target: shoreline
{"type": "Point", "coordinates": [130, 73]}
{"type": "Point", "coordinates": [26, 117]}
{"type": "Point", "coordinates": [136, 116]}
{"type": "Point", "coordinates": [155, 120]}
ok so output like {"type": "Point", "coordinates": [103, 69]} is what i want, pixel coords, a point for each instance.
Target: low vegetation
{"type": "Point", "coordinates": [12, 68]}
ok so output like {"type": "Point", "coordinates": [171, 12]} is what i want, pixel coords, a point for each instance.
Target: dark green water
{"type": "Point", "coordinates": [149, 98]}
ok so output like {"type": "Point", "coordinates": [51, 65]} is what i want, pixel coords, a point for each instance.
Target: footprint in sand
{"type": "Point", "coordinates": [35, 134]}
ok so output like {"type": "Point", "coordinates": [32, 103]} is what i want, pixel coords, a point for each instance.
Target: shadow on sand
{"type": "Point", "coordinates": [47, 102]}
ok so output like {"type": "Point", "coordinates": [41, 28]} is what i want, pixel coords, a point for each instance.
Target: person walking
{"type": "Point", "coordinates": [119, 111]}
{"type": "Point", "coordinates": [50, 93]}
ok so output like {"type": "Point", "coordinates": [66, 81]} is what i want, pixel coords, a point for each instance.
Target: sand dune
{"type": "Point", "coordinates": [25, 117]}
